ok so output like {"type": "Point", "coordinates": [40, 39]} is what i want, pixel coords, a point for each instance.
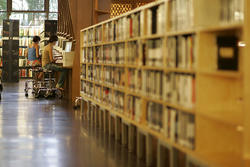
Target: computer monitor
{"type": "Point", "coordinates": [68, 47]}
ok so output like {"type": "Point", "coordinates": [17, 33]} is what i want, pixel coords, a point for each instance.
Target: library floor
{"type": "Point", "coordinates": [48, 133]}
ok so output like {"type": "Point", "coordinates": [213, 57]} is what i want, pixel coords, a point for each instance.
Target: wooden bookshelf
{"type": "Point", "coordinates": [123, 63]}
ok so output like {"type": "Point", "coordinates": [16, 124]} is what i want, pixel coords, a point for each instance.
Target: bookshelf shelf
{"type": "Point", "coordinates": [133, 39]}
{"type": "Point", "coordinates": [152, 68]}
{"type": "Point", "coordinates": [225, 74]}
{"type": "Point", "coordinates": [222, 27]}
{"type": "Point", "coordinates": [166, 56]}
{"type": "Point", "coordinates": [156, 36]}
{"type": "Point", "coordinates": [132, 66]}
{"type": "Point", "coordinates": [176, 33]}
{"type": "Point", "coordinates": [181, 108]}
{"type": "Point", "coordinates": [188, 71]}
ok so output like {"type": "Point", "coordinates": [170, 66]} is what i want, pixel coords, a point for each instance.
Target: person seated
{"type": "Point", "coordinates": [33, 52]}
{"type": "Point", "coordinates": [48, 61]}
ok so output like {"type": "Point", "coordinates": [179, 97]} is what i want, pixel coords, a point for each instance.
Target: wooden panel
{"type": "Point", "coordinates": [247, 84]}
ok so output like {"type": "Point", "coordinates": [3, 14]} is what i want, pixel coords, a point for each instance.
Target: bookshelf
{"type": "Point", "coordinates": [161, 68]}
{"type": "Point", "coordinates": [26, 34]}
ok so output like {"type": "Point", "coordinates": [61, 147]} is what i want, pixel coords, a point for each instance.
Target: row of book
{"type": "Point", "coordinates": [231, 11]}
{"type": "Point", "coordinates": [181, 52]}
{"type": "Point", "coordinates": [83, 71]}
{"type": "Point", "coordinates": [98, 34]}
{"type": "Point", "coordinates": [114, 76]}
{"type": "Point", "coordinates": [25, 41]}
{"type": "Point", "coordinates": [179, 89]}
{"type": "Point", "coordinates": [22, 51]}
{"type": "Point", "coordinates": [176, 88]}
{"type": "Point", "coordinates": [131, 26]}
{"type": "Point", "coordinates": [118, 100]}
{"type": "Point", "coordinates": [176, 125]}
{"type": "Point", "coordinates": [88, 55]}
{"type": "Point", "coordinates": [181, 14]}
{"type": "Point", "coordinates": [133, 109]}
{"type": "Point", "coordinates": [108, 34]}
{"type": "Point", "coordinates": [87, 88]}
{"type": "Point", "coordinates": [152, 84]}
{"type": "Point", "coordinates": [153, 55]}
{"type": "Point", "coordinates": [32, 31]}
{"type": "Point", "coordinates": [97, 74]}
{"type": "Point", "coordinates": [156, 20]}
{"type": "Point", "coordinates": [23, 62]}
{"type": "Point", "coordinates": [25, 73]}
{"type": "Point", "coordinates": [109, 55]}
{"type": "Point", "coordinates": [98, 93]}
{"type": "Point", "coordinates": [134, 79]}
{"type": "Point", "coordinates": [133, 53]}
{"type": "Point", "coordinates": [113, 55]}
{"type": "Point", "coordinates": [180, 127]}
{"type": "Point", "coordinates": [107, 96]}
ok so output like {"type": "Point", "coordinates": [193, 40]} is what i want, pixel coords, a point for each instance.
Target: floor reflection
{"type": "Point", "coordinates": [48, 133]}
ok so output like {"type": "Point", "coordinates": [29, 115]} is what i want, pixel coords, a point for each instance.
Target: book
{"type": "Point", "coordinates": [231, 11]}
{"type": "Point", "coordinates": [97, 74]}
{"type": "Point", "coordinates": [181, 52]}
{"type": "Point", "coordinates": [227, 55]}
{"type": "Point", "coordinates": [83, 71]}
{"type": "Point", "coordinates": [180, 127]}
{"type": "Point", "coordinates": [98, 93]}
{"type": "Point", "coordinates": [152, 83]}
{"type": "Point", "coordinates": [98, 34]}
{"type": "Point", "coordinates": [181, 15]}
{"type": "Point", "coordinates": [154, 53]}
{"type": "Point", "coordinates": [133, 53]}
{"type": "Point", "coordinates": [179, 89]}
{"type": "Point", "coordinates": [119, 77]}
{"type": "Point", "coordinates": [98, 55]}
{"type": "Point", "coordinates": [90, 72]}
{"type": "Point", "coordinates": [118, 100]}
{"type": "Point", "coordinates": [155, 116]}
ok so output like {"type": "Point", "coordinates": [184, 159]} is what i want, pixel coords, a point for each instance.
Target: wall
{"type": "Point", "coordinates": [81, 14]}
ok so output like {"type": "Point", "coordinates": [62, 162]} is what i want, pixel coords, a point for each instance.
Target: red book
{"type": "Point", "coordinates": [131, 27]}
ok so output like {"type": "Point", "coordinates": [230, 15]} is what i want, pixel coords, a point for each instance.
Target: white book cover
{"type": "Point", "coordinates": [142, 22]}
{"type": "Point", "coordinates": [173, 15]}
{"type": "Point", "coordinates": [149, 21]}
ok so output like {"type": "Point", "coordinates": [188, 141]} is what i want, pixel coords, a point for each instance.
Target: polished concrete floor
{"type": "Point", "coordinates": [48, 133]}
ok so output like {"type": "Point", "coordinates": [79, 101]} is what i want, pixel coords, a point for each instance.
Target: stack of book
{"type": "Point", "coordinates": [133, 53]}
{"type": "Point", "coordinates": [133, 109]}
{"type": "Point", "coordinates": [119, 77]}
{"type": "Point", "coordinates": [118, 100]}
{"type": "Point", "coordinates": [155, 115]}
{"type": "Point", "coordinates": [231, 11]}
{"type": "Point", "coordinates": [179, 89]}
{"type": "Point", "coordinates": [181, 52]}
{"type": "Point", "coordinates": [98, 35]}
{"type": "Point", "coordinates": [97, 74]}
{"type": "Point", "coordinates": [154, 53]}
{"type": "Point", "coordinates": [134, 80]}
{"type": "Point", "coordinates": [180, 127]}
{"type": "Point", "coordinates": [152, 84]}
{"type": "Point", "coordinates": [156, 20]}
{"type": "Point", "coordinates": [181, 15]}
